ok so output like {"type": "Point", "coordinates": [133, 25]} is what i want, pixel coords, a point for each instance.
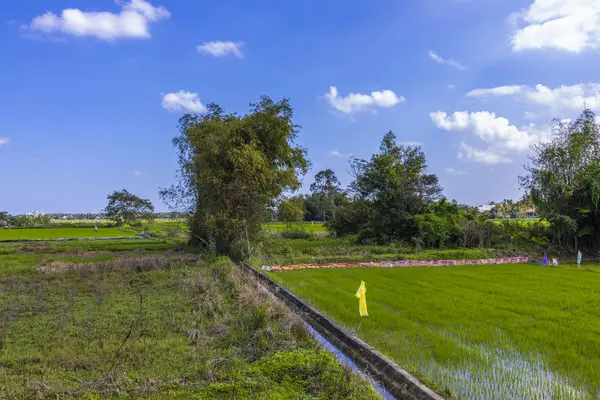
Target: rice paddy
{"type": "Point", "coordinates": [58, 233]}
{"type": "Point", "coordinates": [474, 332]}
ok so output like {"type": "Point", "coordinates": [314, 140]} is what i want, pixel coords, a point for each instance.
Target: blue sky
{"type": "Point", "coordinates": [92, 90]}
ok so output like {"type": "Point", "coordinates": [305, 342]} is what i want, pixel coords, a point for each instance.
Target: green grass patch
{"type": "Point", "coordinates": [153, 325]}
{"type": "Point", "coordinates": [57, 233]}
{"type": "Point", "coordinates": [501, 331]}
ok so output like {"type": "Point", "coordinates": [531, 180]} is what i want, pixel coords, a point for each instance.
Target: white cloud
{"type": "Point", "coordinates": [597, 119]}
{"type": "Point", "coordinates": [452, 171]}
{"type": "Point", "coordinates": [411, 143]}
{"type": "Point", "coordinates": [451, 87]}
{"type": "Point", "coordinates": [135, 172]}
{"type": "Point", "coordinates": [441, 60]}
{"type": "Point", "coordinates": [482, 156]}
{"type": "Point", "coordinates": [355, 102]}
{"type": "Point", "coordinates": [131, 22]}
{"type": "Point", "coordinates": [569, 25]}
{"type": "Point", "coordinates": [496, 131]}
{"type": "Point", "coordinates": [183, 100]}
{"type": "Point", "coordinates": [336, 153]}
{"type": "Point", "coordinates": [4, 141]}
{"type": "Point", "coordinates": [497, 91]}
{"type": "Point", "coordinates": [219, 49]}
{"type": "Point", "coordinates": [565, 97]}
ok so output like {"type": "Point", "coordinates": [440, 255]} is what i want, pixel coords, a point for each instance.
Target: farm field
{"type": "Point", "coordinates": [117, 319]}
{"type": "Point", "coordinates": [472, 332]}
{"type": "Point", "coordinates": [56, 233]}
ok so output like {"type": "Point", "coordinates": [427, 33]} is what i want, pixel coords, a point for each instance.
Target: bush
{"type": "Point", "coordinates": [295, 234]}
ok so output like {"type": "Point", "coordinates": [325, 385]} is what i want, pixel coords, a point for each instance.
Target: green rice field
{"type": "Point", "coordinates": [474, 332]}
{"type": "Point", "coordinates": [312, 227]}
{"type": "Point", "coordinates": [56, 233]}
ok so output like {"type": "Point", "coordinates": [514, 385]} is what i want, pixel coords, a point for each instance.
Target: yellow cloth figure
{"type": "Point", "coordinates": [362, 302]}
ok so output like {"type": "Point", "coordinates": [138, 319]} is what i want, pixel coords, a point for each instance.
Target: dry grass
{"type": "Point", "coordinates": [133, 263]}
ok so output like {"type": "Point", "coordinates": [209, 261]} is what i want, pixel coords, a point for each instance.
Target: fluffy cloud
{"type": "Point", "coordinates": [496, 131]}
{"type": "Point", "coordinates": [483, 156]}
{"type": "Point", "coordinates": [183, 100]}
{"type": "Point", "coordinates": [132, 22]}
{"type": "Point", "coordinates": [452, 171]}
{"type": "Point", "coordinates": [569, 25]}
{"type": "Point", "coordinates": [336, 153]}
{"type": "Point", "coordinates": [135, 172]}
{"type": "Point", "coordinates": [497, 91]}
{"type": "Point", "coordinates": [561, 98]}
{"type": "Point", "coordinates": [4, 141]}
{"type": "Point", "coordinates": [219, 49]}
{"type": "Point", "coordinates": [358, 102]}
{"type": "Point", "coordinates": [439, 59]}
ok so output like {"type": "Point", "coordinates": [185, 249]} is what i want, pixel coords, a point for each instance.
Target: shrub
{"type": "Point", "coordinates": [295, 234]}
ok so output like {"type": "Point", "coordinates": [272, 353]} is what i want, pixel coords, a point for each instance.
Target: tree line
{"type": "Point", "coordinates": [235, 169]}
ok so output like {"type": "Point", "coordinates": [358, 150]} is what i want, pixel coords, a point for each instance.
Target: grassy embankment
{"type": "Point", "coordinates": [112, 319]}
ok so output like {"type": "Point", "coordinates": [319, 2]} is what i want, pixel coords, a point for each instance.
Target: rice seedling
{"type": "Point", "coordinates": [494, 332]}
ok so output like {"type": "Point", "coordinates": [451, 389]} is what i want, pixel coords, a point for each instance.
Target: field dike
{"type": "Point", "coordinates": [499, 373]}
{"type": "Point", "coordinates": [395, 380]}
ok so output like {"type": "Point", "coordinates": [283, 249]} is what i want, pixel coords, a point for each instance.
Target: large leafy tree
{"type": "Point", "coordinates": [124, 207]}
{"type": "Point", "coordinates": [232, 168]}
{"type": "Point", "coordinates": [291, 210]}
{"type": "Point", "coordinates": [389, 190]}
{"type": "Point", "coordinates": [327, 188]}
{"type": "Point", "coordinates": [563, 182]}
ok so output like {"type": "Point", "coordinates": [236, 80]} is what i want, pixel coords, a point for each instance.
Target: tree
{"type": "Point", "coordinates": [4, 218]}
{"type": "Point", "coordinates": [231, 169]}
{"type": "Point", "coordinates": [291, 210]}
{"type": "Point", "coordinates": [563, 182]}
{"type": "Point", "coordinates": [327, 187]}
{"type": "Point", "coordinates": [126, 208]}
{"type": "Point", "coordinates": [388, 190]}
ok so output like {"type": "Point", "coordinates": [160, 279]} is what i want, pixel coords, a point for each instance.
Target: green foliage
{"type": "Point", "coordinates": [389, 190]}
{"type": "Point", "coordinates": [295, 233]}
{"type": "Point", "coordinates": [326, 189]}
{"type": "Point", "coordinates": [320, 250]}
{"type": "Point", "coordinates": [563, 181]}
{"type": "Point", "coordinates": [291, 211]}
{"type": "Point", "coordinates": [232, 168]}
{"type": "Point", "coordinates": [126, 208]}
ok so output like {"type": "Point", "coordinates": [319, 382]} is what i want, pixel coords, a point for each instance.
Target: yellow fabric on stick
{"type": "Point", "coordinates": [362, 302]}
